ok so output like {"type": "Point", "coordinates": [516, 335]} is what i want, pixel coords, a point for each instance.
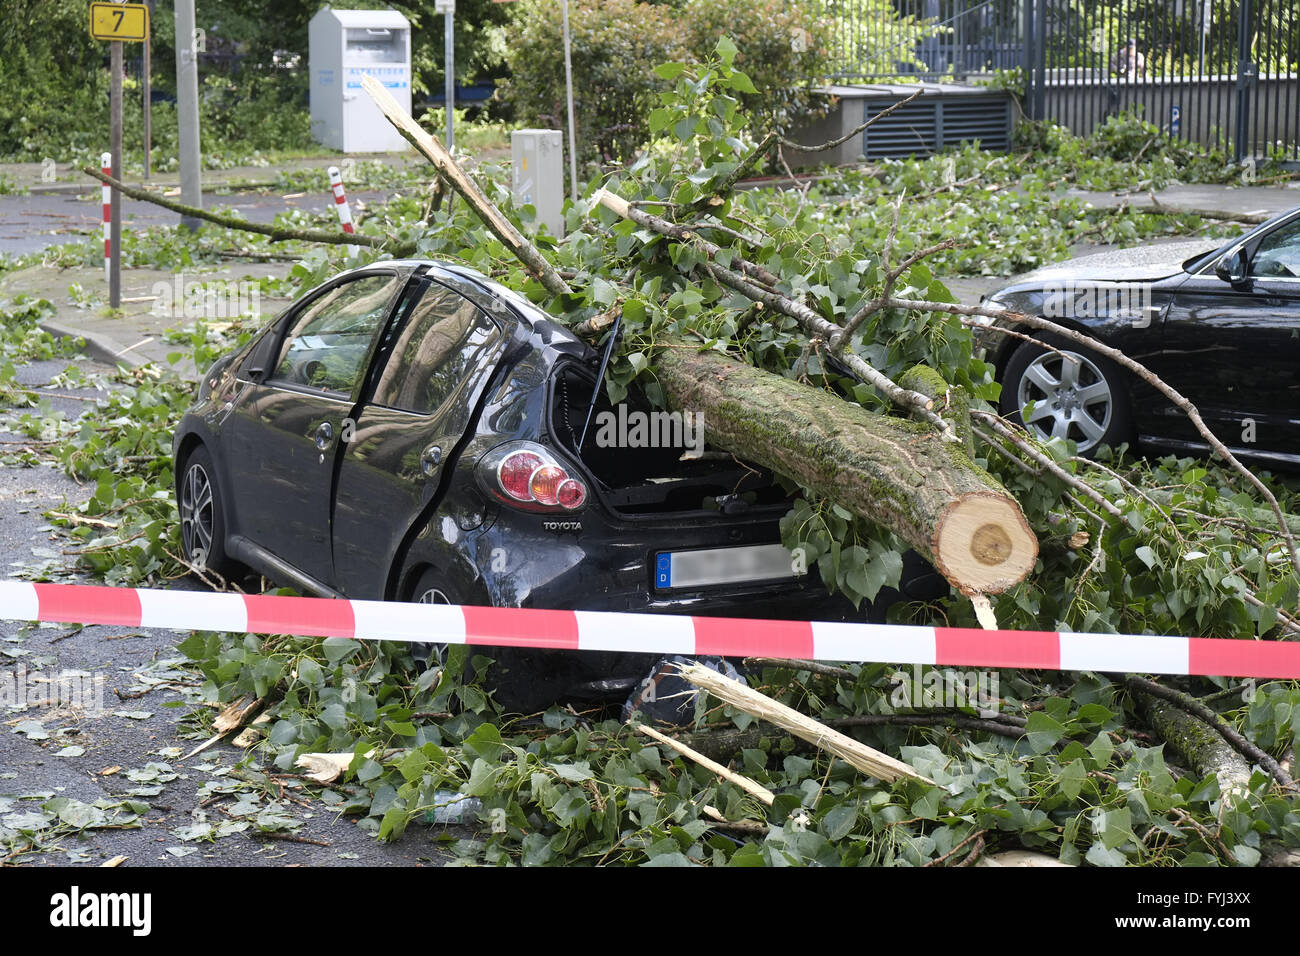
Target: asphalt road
{"type": "Point", "coordinates": [32, 222]}
{"type": "Point", "coordinates": [130, 749]}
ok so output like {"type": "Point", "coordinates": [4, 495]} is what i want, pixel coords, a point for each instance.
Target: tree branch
{"type": "Point", "coordinates": [1197, 709]}
{"type": "Point", "coordinates": [276, 233]}
{"type": "Point", "coordinates": [435, 153]}
{"type": "Point", "coordinates": [1073, 481]}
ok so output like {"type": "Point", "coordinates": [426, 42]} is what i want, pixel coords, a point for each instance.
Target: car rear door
{"type": "Point", "coordinates": [419, 404]}
{"type": "Point", "coordinates": [283, 434]}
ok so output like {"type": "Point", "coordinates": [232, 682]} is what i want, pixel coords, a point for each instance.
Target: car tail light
{"type": "Point", "coordinates": [526, 475]}
{"type": "Point", "coordinates": [572, 494]}
{"type": "Point", "coordinates": [515, 473]}
{"type": "Point", "coordinates": [545, 483]}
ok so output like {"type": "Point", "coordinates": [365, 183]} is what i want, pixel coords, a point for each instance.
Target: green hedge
{"type": "Point", "coordinates": [616, 44]}
{"type": "Point", "coordinates": [782, 47]}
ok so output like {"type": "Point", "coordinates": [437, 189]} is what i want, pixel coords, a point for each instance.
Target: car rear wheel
{"type": "Point", "coordinates": [430, 589]}
{"type": "Point", "coordinates": [1057, 390]}
{"type": "Point", "coordinates": [203, 519]}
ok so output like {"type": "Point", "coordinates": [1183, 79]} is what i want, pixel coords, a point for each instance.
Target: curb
{"type": "Point", "coordinates": [103, 348]}
{"type": "Point", "coordinates": [58, 188]}
{"type": "Point", "coordinates": [208, 187]}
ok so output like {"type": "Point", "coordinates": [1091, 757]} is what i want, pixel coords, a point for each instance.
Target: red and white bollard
{"type": "Point", "coordinates": [106, 166]}
{"type": "Point", "coordinates": [341, 204]}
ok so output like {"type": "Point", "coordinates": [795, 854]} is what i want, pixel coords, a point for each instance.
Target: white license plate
{"type": "Point", "coordinates": [696, 569]}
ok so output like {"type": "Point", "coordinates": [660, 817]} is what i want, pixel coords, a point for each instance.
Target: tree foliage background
{"type": "Point", "coordinates": [54, 76]}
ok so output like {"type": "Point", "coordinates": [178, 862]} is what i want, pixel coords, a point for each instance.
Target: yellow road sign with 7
{"type": "Point", "coordinates": [119, 21]}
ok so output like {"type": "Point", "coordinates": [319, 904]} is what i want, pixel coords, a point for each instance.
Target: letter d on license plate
{"type": "Point", "coordinates": [675, 570]}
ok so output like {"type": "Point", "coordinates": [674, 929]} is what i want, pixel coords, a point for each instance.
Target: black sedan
{"type": "Point", "coordinates": [1222, 326]}
{"type": "Point", "coordinates": [412, 431]}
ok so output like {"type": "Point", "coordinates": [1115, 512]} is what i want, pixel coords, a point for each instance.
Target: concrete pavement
{"type": "Point", "coordinates": [138, 334]}
{"type": "Point", "coordinates": [1240, 199]}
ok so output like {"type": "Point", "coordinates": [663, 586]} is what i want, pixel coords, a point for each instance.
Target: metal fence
{"type": "Point", "coordinates": [925, 39]}
{"type": "Point", "coordinates": [1219, 72]}
{"type": "Point", "coordinates": [1223, 73]}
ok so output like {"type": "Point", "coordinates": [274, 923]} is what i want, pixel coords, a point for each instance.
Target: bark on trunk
{"type": "Point", "coordinates": [900, 474]}
{"type": "Point", "coordinates": [1196, 742]}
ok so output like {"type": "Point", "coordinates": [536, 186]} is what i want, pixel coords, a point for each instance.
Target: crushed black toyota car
{"type": "Point", "coordinates": [412, 431]}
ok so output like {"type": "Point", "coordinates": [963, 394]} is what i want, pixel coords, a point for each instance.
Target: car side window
{"type": "Point", "coordinates": [439, 346]}
{"type": "Point", "coordinates": [1278, 254]}
{"type": "Point", "coordinates": [326, 348]}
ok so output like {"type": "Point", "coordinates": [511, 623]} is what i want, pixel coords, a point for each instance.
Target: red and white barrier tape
{"type": "Point", "coordinates": [341, 204]}
{"type": "Point", "coordinates": [106, 193]}
{"type": "Point", "coordinates": [652, 633]}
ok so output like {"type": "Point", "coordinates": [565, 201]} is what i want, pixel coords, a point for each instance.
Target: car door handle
{"type": "Point", "coordinates": [324, 435]}
{"type": "Point", "coordinates": [430, 458]}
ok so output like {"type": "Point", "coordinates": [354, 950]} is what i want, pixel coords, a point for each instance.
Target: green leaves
{"type": "Point", "coordinates": [839, 821]}
{"type": "Point", "coordinates": [560, 790]}
{"type": "Point", "coordinates": [726, 50]}
{"type": "Point", "coordinates": [1043, 732]}
{"type": "Point", "coordinates": [669, 71]}
{"type": "Point", "coordinates": [741, 83]}
{"type": "Point", "coordinates": [824, 536]}
{"type": "Point", "coordinates": [339, 649]}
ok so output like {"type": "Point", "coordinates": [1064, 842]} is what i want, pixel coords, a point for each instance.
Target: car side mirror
{"type": "Point", "coordinates": [1232, 266]}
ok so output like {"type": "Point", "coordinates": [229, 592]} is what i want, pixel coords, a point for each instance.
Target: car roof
{"type": "Point", "coordinates": [472, 283]}
{"type": "Point", "coordinates": [494, 298]}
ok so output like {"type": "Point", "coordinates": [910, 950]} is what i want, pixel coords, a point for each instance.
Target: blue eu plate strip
{"type": "Point", "coordinates": [664, 571]}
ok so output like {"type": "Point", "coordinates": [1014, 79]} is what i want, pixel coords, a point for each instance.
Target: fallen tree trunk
{"type": "Point", "coordinates": [914, 479]}
{"type": "Point", "coordinates": [900, 474]}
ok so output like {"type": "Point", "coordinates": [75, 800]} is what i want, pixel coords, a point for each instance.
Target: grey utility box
{"type": "Point", "coordinates": [343, 46]}
{"type": "Point", "coordinates": [537, 157]}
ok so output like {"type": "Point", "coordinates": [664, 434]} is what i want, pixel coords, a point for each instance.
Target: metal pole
{"type": "Point", "coordinates": [1031, 74]}
{"type": "Point", "coordinates": [449, 65]}
{"type": "Point", "coordinates": [145, 81]}
{"type": "Point", "coordinates": [1245, 80]}
{"type": "Point", "coordinates": [1206, 15]}
{"type": "Point", "coordinates": [568, 83]}
{"type": "Point", "coordinates": [1040, 60]}
{"type": "Point", "coordinates": [115, 147]}
{"type": "Point", "coordinates": [187, 110]}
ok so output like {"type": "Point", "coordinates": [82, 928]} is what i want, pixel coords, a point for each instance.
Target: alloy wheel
{"type": "Point", "coordinates": [433, 596]}
{"type": "Point", "coordinates": [198, 515]}
{"type": "Point", "coordinates": [1071, 399]}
